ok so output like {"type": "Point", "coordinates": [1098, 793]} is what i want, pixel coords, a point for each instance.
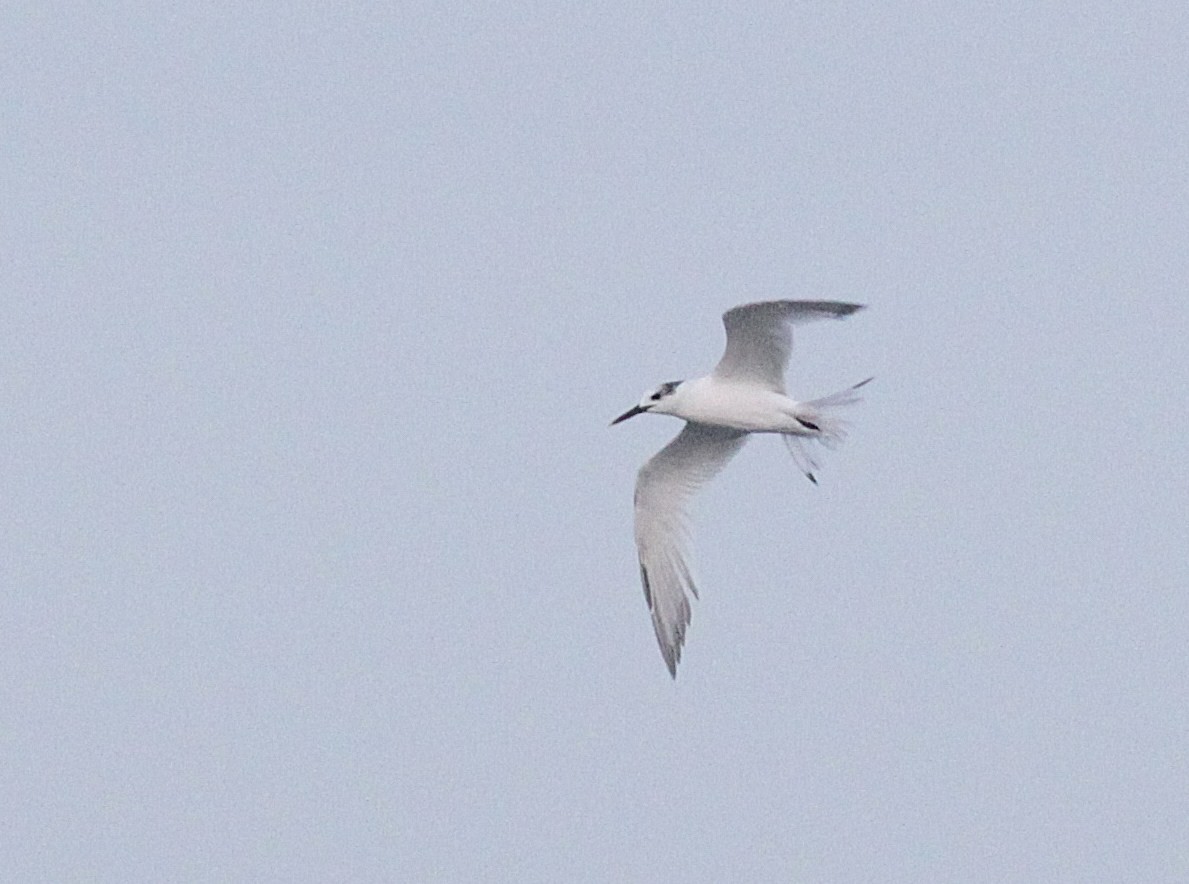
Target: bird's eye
{"type": "Point", "coordinates": [655, 396]}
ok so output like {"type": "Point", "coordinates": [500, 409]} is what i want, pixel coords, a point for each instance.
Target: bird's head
{"type": "Point", "coordinates": [659, 399]}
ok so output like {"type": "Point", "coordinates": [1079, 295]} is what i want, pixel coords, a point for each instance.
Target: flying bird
{"type": "Point", "coordinates": [744, 394]}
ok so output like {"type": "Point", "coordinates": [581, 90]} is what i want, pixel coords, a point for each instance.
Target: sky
{"type": "Point", "coordinates": [317, 560]}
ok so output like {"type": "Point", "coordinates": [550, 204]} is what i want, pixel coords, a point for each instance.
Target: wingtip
{"type": "Point", "coordinates": [672, 656]}
{"type": "Point", "coordinates": [841, 309]}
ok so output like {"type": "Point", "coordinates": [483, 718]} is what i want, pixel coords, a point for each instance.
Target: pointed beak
{"type": "Point", "coordinates": [631, 412]}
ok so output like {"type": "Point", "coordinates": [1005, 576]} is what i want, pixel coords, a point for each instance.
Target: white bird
{"type": "Point", "coordinates": [744, 394]}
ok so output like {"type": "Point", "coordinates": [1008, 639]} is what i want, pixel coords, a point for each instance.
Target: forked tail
{"type": "Point", "coordinates": [820, 417]}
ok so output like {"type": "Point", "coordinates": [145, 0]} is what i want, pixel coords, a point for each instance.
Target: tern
{"type": "Point", "coordinates": [744, 394]}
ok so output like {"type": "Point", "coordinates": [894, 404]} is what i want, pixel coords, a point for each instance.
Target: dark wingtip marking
{"type": "Point", "coordinates": [811, 477]}
{"type": "Point", "coordinates": [809, 425]}
{"type": "Point", "coordinates": [647, 588]}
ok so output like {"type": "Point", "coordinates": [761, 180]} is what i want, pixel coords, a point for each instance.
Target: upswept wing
{"type": "Point", "coordinates": [663, 486]}
{"type": "Point", "coordinates": [760, 338]}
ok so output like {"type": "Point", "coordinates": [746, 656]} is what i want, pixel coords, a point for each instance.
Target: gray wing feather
{"type": "Point", "coordinates": [760, 338]}
{"type": "Point", "coordinates": [663, 486]}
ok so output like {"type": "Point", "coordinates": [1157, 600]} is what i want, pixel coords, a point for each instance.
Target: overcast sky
{"type": "Point", "coordinates": [317, 561]}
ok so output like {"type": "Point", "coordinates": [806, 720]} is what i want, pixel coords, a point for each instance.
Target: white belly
{"type": "Point", "coordinates": [741, 407]}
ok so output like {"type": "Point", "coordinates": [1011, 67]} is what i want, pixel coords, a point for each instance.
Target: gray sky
{"type": "Point", "coordinates": [317, 559]}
